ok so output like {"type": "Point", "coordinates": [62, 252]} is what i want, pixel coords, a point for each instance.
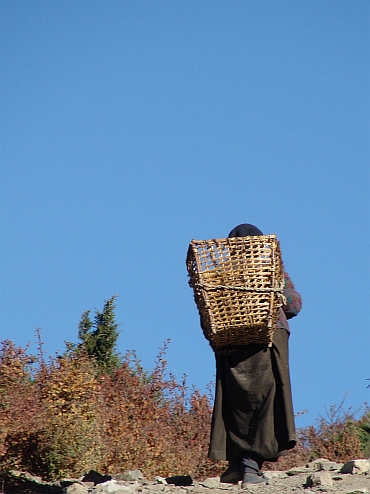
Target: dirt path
{"type": "Point", "coordinates": [342, 484]}
{"type": "Point", "coordinates": [324, 476]}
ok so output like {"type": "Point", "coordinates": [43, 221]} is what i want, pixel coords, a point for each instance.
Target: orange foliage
{"type": "Point", "coordinates": [64, 417]}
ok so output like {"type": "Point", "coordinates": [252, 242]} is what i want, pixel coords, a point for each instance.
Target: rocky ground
{"type": "Point", "coordinates": [317, 477]}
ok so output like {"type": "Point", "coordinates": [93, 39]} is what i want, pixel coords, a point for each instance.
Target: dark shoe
{"type": "Point", "coordinates": [251, 470]}
{"type": "Point", "coordinates": [233, 474]}
{"type": "Point", "coordinates": [251, 478]}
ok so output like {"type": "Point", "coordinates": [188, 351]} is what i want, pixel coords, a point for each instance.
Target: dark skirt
{"type": "Point", "coordinates": [253, 411]}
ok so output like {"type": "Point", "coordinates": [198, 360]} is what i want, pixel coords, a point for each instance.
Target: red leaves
{"type": "Point", "coordinates": [62, 418]}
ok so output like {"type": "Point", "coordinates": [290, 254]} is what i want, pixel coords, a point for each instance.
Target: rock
{"type": "Point", "coordinates": [160, 480]}
{"type": "Point", "coordinates": [274, 474]}
{"type": "Point", "coordinates": [331, 466]}
{"type": "Point", "coordinates": [315, 464]}
{"type": "Point", "coordinates": [296, 471]}
{"type": "Point", "coordinates": [129, 475]}
{"type": "Point", "coordinates": [113, 487]}
{"type": "Point", "coordinates": [25, 482]}
{"type": "Point", "coordinates": [26, 476]}
{"type": "Point", "coordinates": [180, 480]}
{"type": "Point", "coordinates": [211, 483]}
{"type": "Point", "coordinates": [76, 488]}
{"type": "Point", "coordinates": [95, 477]}
{"type": "Point", "coordinates": [322, 479]}
{"type": "Point", "coordinates": [321, 475]}
{"type": "Point", "coordinates": [328, 466]}
{"type": "Point", "coordinates": [66, 482]}
{"type": "Point", "coordinates": [226, 487]}
{"type": "Point", "coordinates": [356, 467]}
{"type": "Point", "coordinates": [337, 477]}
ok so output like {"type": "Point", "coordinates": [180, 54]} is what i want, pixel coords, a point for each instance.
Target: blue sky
{"type": "Point", "coordinates": [129, 128]}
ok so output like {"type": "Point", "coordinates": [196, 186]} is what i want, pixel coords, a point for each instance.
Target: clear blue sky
{"type": "Point", "coordinates": [129, 128]}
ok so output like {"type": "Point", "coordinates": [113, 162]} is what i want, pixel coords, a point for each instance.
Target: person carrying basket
{"type": "Point", "coordinates": [253, 418]}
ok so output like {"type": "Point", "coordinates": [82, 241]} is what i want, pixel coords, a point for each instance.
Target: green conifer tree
{"type": "Point", "coordinates": [99, 337]}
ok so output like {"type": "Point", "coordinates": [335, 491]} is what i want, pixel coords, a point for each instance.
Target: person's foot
{"type": "Point", "coordinates": [251, 478]}
{"type": "Point", "coordinates": [251, 472]}
{"type": "Point", "coordinates": [233, 474]}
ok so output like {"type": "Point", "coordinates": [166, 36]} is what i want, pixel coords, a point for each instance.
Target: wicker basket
{"type": "Point", "coordinates": [238, 284]}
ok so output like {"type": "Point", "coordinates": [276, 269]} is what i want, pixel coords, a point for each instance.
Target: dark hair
{"type": "Point", "coordinates": [245, 230]}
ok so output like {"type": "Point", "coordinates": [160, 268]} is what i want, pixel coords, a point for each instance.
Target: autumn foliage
{"type": "Point", "coordinates": [66, 415]}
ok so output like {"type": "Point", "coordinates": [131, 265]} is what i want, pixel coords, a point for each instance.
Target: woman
{"type": "Point", "coordinates": [253, 417]}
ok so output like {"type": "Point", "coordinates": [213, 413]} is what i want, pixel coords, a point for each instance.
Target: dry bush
{"type": "Point", "coordinates": [64, 417]}
{"type": "Point", "coordinates": [20, 411]}
{"type": "Point", "coordinates": [48, 421]}
{"type": "Point", "coordinates": [295, 457]}
{"type": "Point", "coordinates": [364, 432]}
{"type": "Point", "coordinates": [335, 436]}
{"type": "Point", "coordinates": [70, 439]}
{"type": "Point", "coordinates": [150, 422]}
{"type": "Point", "coordinates": [339, 437]}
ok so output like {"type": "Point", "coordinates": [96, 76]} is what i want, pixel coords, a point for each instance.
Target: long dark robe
{"type": "Point", "coordinates": [253, 410]}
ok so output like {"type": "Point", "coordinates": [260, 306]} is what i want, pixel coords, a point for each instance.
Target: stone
{"type": "Point", "coordinates": [296, 471]}
{"type": "Point", "coordinates": [315, 464]}
{"type": "Point", "coordinates": [211, 483]}
{"type": "Point", "coordinates": [129, 475]}
{"type": "Point", "coordinates": [66, 482]}
{"type": "Point", "coordinates": [227, 487]}
{"type": "Point", "coordinates": [324, 464]}
{"type": "Point", "coordinates": [356, 467]}
{"type": "Point", "coordinates": [112, 487]}
{"type": "Point", "coordinates": [358, 491]}
{"type": "Point", "coordinates": [323, 479]}
{"type": "Point", "coordinates": [180, 480]}
{"type": "Point", "coordinates": [25, 482]}
{"type": "Point", "coordinates": [160, 480]}
{"type": "Point", "coordinates": [96, 477]}
{"type": "Point", "coordinates": [337, 477]}
{"type": "Point", "coordinates": [76, 488]}
{"type": "Point", "coordinates": [330, 466]}
{"type": "Point", "coordinates": [274, 474]}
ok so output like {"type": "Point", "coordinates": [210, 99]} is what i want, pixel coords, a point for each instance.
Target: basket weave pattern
{"type": "Point", "coordinates": [238, 284]}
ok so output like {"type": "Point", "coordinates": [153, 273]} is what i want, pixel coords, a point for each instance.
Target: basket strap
{"type": "Point", "coordinates": [241, 288]}
{"type": "Point", "coordinates": [207, 286]}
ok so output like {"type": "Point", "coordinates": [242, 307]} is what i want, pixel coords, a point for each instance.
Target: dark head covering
{"type": "Point", "coordinates": [245, 230]}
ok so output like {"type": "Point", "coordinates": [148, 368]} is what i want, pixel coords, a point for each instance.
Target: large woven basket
{"type": "Point", "coordinates": [238, 284]}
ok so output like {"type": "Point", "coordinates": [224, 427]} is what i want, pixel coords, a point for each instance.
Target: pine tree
{"type": "Point", "coordinates": [99, 338]}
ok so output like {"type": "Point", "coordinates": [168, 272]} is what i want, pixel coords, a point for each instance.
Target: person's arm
{"type": "Point", "coordinates": [293, 299]}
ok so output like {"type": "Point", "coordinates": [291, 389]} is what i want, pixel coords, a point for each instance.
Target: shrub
{"type": "Point", "coordinates": [66, 417]}
{"type": "Point", "coordinates": [70, 439]}
{"type": "Point", "coordinates": [69, 415]}
{"type": "Point", "coordinates": [363, 430]}
{"type": "Point", "coordinates": [335, 436]}
{"type": "Point", "coordinates": [151, 424]}
{"type": "Point", "coordinates": [20, 411]}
